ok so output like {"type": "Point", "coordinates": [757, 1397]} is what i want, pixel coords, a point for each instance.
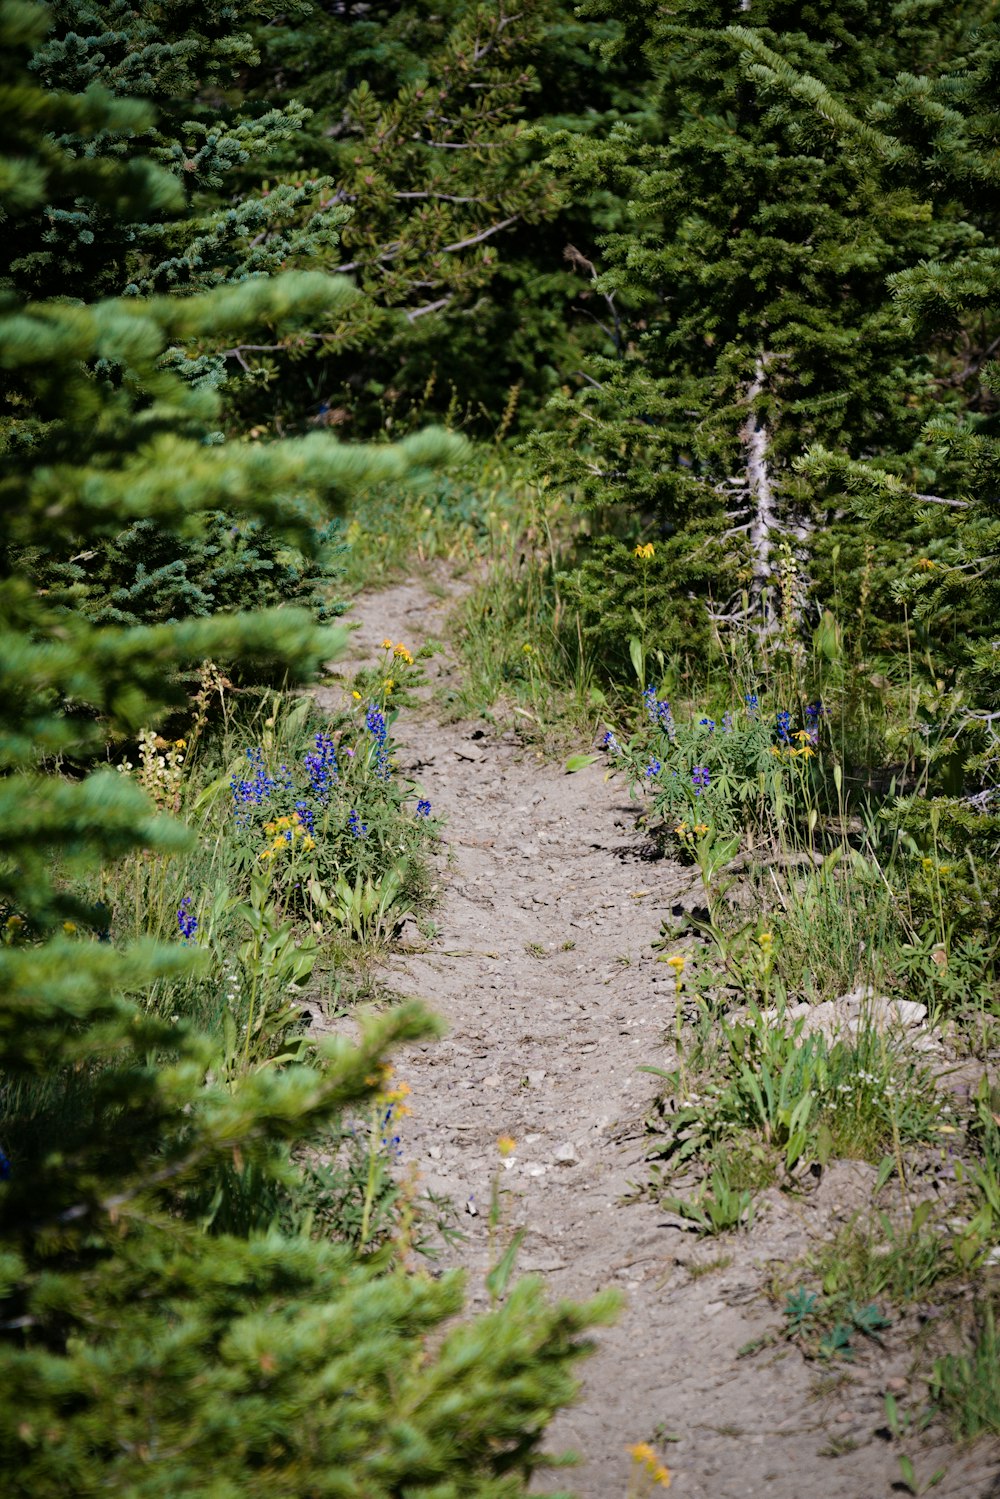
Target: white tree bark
{"type": "Point", "coordinates": [763, 513]}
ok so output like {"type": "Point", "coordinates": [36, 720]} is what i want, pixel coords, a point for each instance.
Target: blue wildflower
{"type": "Point", "coordinates": [187, 923]}
{"type": "Point", "coordinates": [306, 816]}
{"type": "Point", "coordinates": [752, 704]}
{"type": "Point", "coordinates": [357, 827]}
{"type": "Point", "coordinates": [658, 711]}
{"type": "Point", "coordinates": [423, 807]}
{"type": "Point", "coordinates": [707, 723]}
{"type": "Point", "coordinates": [654, 767]}
{"type": "Point", "coordinates": [375, 724]}
{"type": "Point", "coordinates": [5, 1166]}
{"type": "Point", "coordinates": [321, 766]}
{"type": "Point", "coordinates": [784, 726]}
{"type": "Point", "coordinates": [700, 779]}
{"type": "Point", "coordinates": [727, 723]}
{"type": "Point", "coordinates": [254, 790]}
{"type": "Point", "coordinates": [814, 712]}
{"type": "Point", "coordinates": [611, 743]}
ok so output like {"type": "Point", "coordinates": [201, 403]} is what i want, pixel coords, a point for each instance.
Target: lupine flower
{"type": "Point", "coordinates": [306, 816]}
{"type": "Point", "coordinates": [654, 767]}
{"type": "Point", "coordinates": [357, 827]}
{"type": "Point", "coordinates": [375, 724]}
{"type": "Point", "coordinates": [611, 744]}
{"type": "Point", "coordinates": [658, 711]}
{"type": "Point", "coordinates": [814, 712]}
{"type": "Point", "coordinates": [5, 1167]}
{"type": "Point", "coordinates": [707, 723]}
{"type": "Point", "coordinates": [187, 923]}
{"type": "Point", "coordinates": [784, 725]}
{"type": "Point", "coordinates": [727, 723]}
{"type": "Point", "coordinates": [700, 779]}
{"type": "Point", "coordinates": [752, 703]}
{"type": "Point", "coordinates": [256, 790]}
{"type": "Point", "coordinates": [321, 765]}
{"type": "Point", "coordinates": [423, 807]}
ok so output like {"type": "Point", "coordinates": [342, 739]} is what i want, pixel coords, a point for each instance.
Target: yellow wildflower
{"type": "Point", "coordinates": [644, 1457]}
{"type": "Point", "coordinates": [506, 1145]}
{"type": "Point", "coordinates": [526, 649]}
{"type": "Point", "coordinates": [356, 696]}
{"type": "Point", "coordinates": [389, 684]}
{"type": "Point", "coordinates": [387, 645]}
{"type": "Point", "coordinates": [765, 939]}
{"type": "Point", "coordinates": [69, 927]}
{"type": "Point", "coordinates": [644, 553]}
{"type": "Point", "coordinates": [308, 842]}
{"type": "Point", "coordinates": [927, 563]}
{"type": "Point", "coordinates": [677, 963]}
{"type": "Point", "coordinates": [802, 735]}
{"type": "Point", "coordinates": [392, 1098]}
{"type": "Point", "coordinates": [402, 654]}
{"type": "Point", "coordinates": [701, 828]}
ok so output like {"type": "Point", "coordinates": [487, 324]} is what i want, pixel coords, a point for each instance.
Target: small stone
{"type": "Point", "coordinates": [897, 1386]}
{"type": "Point", "coordinates": [492, 1081]}
{"type": "Point", "coordinates": [909, 1012]}
{"type": "Point", "coordinates": [567, 1154]}
{"type": "Point", "coordinates": [471, 1209]}
{"type": "Point", "coordinates": [435, 1152]}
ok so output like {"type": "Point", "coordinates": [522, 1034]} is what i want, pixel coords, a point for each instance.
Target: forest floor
{"type": "Point", "coordinates": [543, 970]}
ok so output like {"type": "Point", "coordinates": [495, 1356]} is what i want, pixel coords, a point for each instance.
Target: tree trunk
{"type": "Point", "coordinates": [763, 517]}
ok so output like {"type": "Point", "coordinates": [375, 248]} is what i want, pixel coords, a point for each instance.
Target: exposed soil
{"type": "Point", "coordinates": [544, 971]}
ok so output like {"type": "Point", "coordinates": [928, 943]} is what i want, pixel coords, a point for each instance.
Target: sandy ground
{"type": "Point", "coordinates": [544, 972]}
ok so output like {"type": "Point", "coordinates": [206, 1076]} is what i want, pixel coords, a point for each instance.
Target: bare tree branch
{"type": "Point", "coordinates": [411, 317]}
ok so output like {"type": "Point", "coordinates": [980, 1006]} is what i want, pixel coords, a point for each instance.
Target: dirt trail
{"type": "Point", "coordinates": [544, 972]}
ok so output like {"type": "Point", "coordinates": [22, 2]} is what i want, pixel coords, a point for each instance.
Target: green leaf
{"type": "Point", "coordinates": [580, 762]}
{"type": "Point", "coordinates": [886, 1167]}
{"type": "Point", "coordinates": [638, 657]}
{"type": "Point", "coordinates": [499, 1276]}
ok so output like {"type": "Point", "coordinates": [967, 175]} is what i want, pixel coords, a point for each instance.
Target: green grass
{"type": "Point", "coordinates": [966, 1386]}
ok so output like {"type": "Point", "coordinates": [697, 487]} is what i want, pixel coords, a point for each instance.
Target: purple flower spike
{"type": "Point", "coordinates": [187, 923]}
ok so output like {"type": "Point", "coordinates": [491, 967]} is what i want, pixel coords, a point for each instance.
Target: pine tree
{"type": "Point", "coordinates": [755, 263]}
{"type": "Point", "coordinates": [941, 496]}
{"type": "Point", "coordinates": [139, 1354]}
{"type": "Point", "coordinates": [429, 119]}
